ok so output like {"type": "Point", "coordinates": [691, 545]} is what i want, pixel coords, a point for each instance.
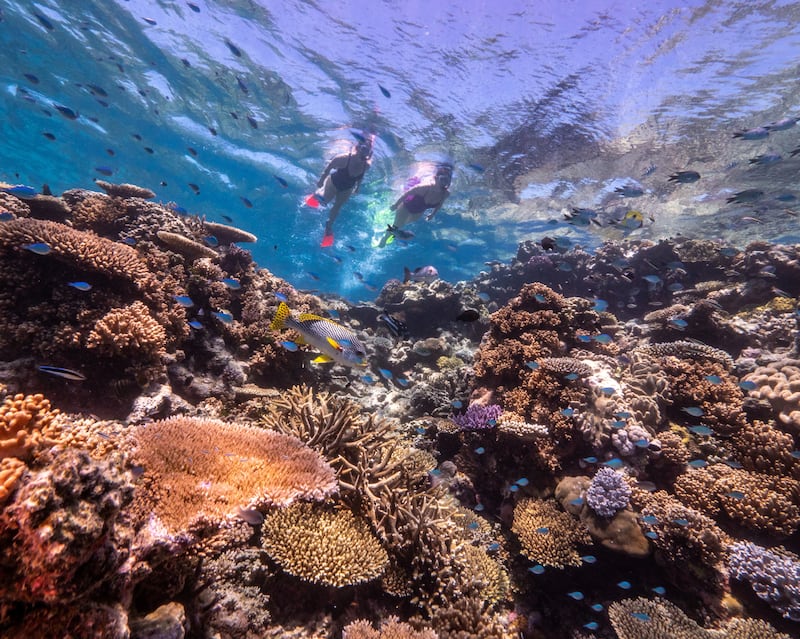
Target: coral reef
{"type": "Point", "coordinates": [774, 575]}
{"type": "Point", "coordinates": [608, 493]}
{"type": "Point", "coordinates": [548, 535]}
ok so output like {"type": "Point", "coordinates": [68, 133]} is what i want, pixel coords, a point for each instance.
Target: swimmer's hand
{"type": "Point", "coordinates": [429, 217]}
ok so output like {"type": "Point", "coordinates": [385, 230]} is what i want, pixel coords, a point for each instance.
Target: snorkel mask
{"type": "Point", "coordinates": [444, 175]}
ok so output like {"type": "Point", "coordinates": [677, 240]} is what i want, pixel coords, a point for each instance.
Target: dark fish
{"type": "Point", "coordinates": [234, 115]}
{"type": "Point", "coordinates": [227, 218]}
{"type": "Point", "coordinates": [186, 63]}
{"type": "Point", "coordinates": [765, 158]}
{"type": "Point", "coordinates": [66, 373]}
{"type": "Point", "coordinates": [748, 195]}
{"type": "Point", "coordinates": [757, 133]}
{"type": "Point", "coordinates": [242, 85]}
{"type": "Point", "coordinates": [629, 190]}
{"type": "Point", "coordinates": [281, 181]}
{"type": "Point", "coordinates": [684, 177]}
{"type": "Point", "coordinates": [385, 91]}
{"type": "Point", "coordinates": [104, 170]}
{"type": "Point", "coordinates": [44, 21]}
{"type": "Point", "coordinates": [246, 202]}
{"type": "Point", "coordinates": [46, 189]}
{"type": "Point", "coordinates": [32, 78]}
{"type": "Point", "coordinates": [149, 150]}
{"type": "Point", "coordinates": [193, 7]}
{"type": "Point", "coordinates": [234, 49]}
{"type": "Point", "coordinates": [469, 315]}
{"type": "Point", "coordinates": [252, 121]}
{"type": "Point", "coordinates": [110, 152]}
{"type": "Point", "coordinates": [395, 325]}
{"type": "Point", "coordinates": [49, 136]}
{"type": "Point", "coordinates": [781, 125]}
{"type": "Point", "coordinates": [97, 90]}
{"type": "Point", "coordinates": [66, 112]}
{"type": "Point", "coordinates": [102, 102]}
{"type": "Point", "coordinates": [548, 243]}
{"type": "Point", "coordinates": [192, 151]}
{"type": "Point", "coordinates": [194, 187]}
{"type": "Point", "coordinates": [212, 130]}
{"type": "Point", "coordinates": [136, 137]}
{"type": "Point", "coordinates": [150, 21]}
{"type": "Point", "coordinates": [478, 168]}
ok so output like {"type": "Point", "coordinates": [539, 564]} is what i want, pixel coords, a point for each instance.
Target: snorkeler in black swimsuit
{"type": "Point", "coordinates": [340, 179]}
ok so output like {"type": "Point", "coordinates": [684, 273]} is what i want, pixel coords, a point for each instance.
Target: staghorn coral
{"type": "Point", "coordinates": [125, 190]}
{"type": "Point", "coordinates": [60, 532]}
{"type": "Point", "coordinates": [608, 492]}
{"type": "Point", "coordinates": [329, 546]}
{"type": "Point", "coordinates": [23, 418]}
{"type": "Point", "coordinates": [548, 535]}
{"type": "Point", "coordinates": [391, 628]}
{"type": "Point", "coordinates": [774, 575]}
{"type": "Point", "coordinates": [642, 618]}
{"type": "Point", "coordinates": [130, 331]}
{"type": "Point", "coordinates": [469, 618]}
{"type": "Point", "coordinates": [197, 469]}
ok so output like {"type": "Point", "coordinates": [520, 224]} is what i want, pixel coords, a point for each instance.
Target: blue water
{"type": "Point", "coordinates": [540, 108]}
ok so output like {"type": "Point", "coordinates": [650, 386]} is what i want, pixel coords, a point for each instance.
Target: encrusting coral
{"type": "Point", "coordinates": [197, 469]}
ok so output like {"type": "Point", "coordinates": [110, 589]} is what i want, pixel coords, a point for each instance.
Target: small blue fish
{"type": "Point", "coordinates": [756, 133]}
{"type": "Point", "coordinates": [40, 248]}
{"type": "Point", "coordinates": [333, 313]}
{"type": "Point", "coordinates": [577, 595]}
{"type": "Point", "coordinates": [386, 93]}
{"type": "Point", "coordinates": [701, 430]}
{"type": "Point", "coordinates": [735, 494]}
{"type": "Point", "coordinates": [681, 521]}
{"type": "Point", "coordinates": [104, 170]}
{"type": "Point", "coordinates": [20, 190]}
{"type": "Point", "coordinates": [493, 547]}
{"type": "Point", "coordinates": [603, 338]}
{"type": "Point", "coordinates": [584, 338]}
{"type": "Point", "coordinates": [598, 607]}
{"type": "Point", "coordinates": [589, 559]}
{"type": "Point", "coordinates": [532, 365]}
{"type": "Point", "coordinates": [651, 534]}
{"type": "Point", "coordinates": [625, 585]}
{"type": "Point", "coordinates": [522, 481]}
{"type": "Point", "coordinates": [231, 283]}
{"type": "Point", "coordinates": [5, 216]}
{"type": "Point", "coordinates": [66, 373]}
{"type": "Point", "coordinates": [641, 443]}
{"type": "Point", "coordinates": [568, 412]}
{"type": "Point", "coordinates": [694, 411]}
{"type": "Point", "coordinates": [385, 373]}
{"type": "Point", "coordinates": [281, 297]}
{"type": "Point", "coordinates": [629, 190]}
{"type": "Point", "coordinates": [617, 423]}
{"type": "Point", "coordinates": [614, 462]}
{"type": "Point", "coordinates": [223, 316]}
{"type": "Point", "coordinates": [659, 590]}
{"type": "Point", "coordinates": [543, 530]}
{"type": "Point", "coordinates": [747, 385]}
{"type": "Point", "coordinates": [795, 454]}
{"type": "Point", "coordinates": [402, 381]}
{"type": "Point", "coordinates": [571, 377]}
{"type": "Point", "coordinates": [678, 322]}
{"type": "Point", "coordinates": [81, 286]}
{"type": "Point", "coordinates": [578, 501]}
{"type": "Point", "coordinates": [538, 569]}
{"type": "Point", "coordinates": [539, 298]}
{"type": "Point", "coordinates": [479, 507]}
{"type": "Point", "coordinates": [211, 240]}
{"type": "Point", "coordinates": [480, 450]}
{"type": "Point", "coordinates": [714, 379]}
{"type": "Point", "coordinates": [456, 403]}
{"type": "Point", "coordinates": [195, 325]}
{"type": "Point", "coordinates": [473, 525]}
{"type": "Point", "coordinates": [650, 519]}
{"type": "Point", "coordinates": [675, 287]}
{"type": "Point", "coordinates": [732, 463]}
{"type": "Point", "coordinates": [608, 390]}
{"type": "Point", "coordinates": [289, 345]}
{"type": "Point", "coordinates": [130, 241]}
{"type": "Point", "coordinates": [312, 275]}
{"type": "Point", "coordinates": [592, 625]}
{"type": "Point", "coordinates": [368, 379]}
{"type": "Point", "coordinates": [600, 305]}
{"type": "Point", "coordinates": [183, 300]}
{"type": "Point", "coordinates": [698, 463]}
{"type": "Point", "coordinates": [652, 279]}
{"type": "Point", "coordinates": [622, 414]}
{"type": "Point", "coordinates": [513, 488]}
{"type": "Point", "coordinates": [641, 616]}
{"type": "Point", "coordinates": [590, 460]}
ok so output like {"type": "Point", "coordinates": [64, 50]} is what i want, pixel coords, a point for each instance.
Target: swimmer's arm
{"type": "Point", "coordinates": [336, 163]}
{"type": "Point", "coordinates": [436, 209]}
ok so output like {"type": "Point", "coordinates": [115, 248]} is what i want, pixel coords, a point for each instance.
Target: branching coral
{"type": "Point", "coordinates": [392, 628]}
{"type": "Point", "coordinates": [196, 468]}
{"type": "Point", "coordinates": [23, 418]}
{"type": "Point", "coordinates": [774, 575]}
{"type": "Point", "coordinates": [11, 470]}
{"type": "Point", "coordinates": [323, 545]}
{"type": "Point", "coordinates": [548, 535]}
{"type": "Point", "coordinates": [763, 448]}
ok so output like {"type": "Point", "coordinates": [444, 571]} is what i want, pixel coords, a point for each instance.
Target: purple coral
{"type": "Point", "coordinates": [774, 575]}
{"type": "Point", "coordinates": [478, 417]}
{"type": "Point", "coordinates": [608, 492]}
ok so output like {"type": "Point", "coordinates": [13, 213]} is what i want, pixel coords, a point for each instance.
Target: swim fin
{"type": "Point", "coordinates": [312, 201]}
{"type": "Point", "coordinates": [327, 241]}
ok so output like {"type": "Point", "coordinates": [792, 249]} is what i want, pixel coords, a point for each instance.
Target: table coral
{"type": "Point", "coordinates": [548, 535]}
{"type": "Point", "coordinates": [195, 468]}
{"type": "Point", "coordinates": [322, 545]}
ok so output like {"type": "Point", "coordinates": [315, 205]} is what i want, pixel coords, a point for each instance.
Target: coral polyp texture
{"type": "Point", "coordinates": [206, 469]}
{"type": "Point", "coordinates": [608, 492]}
{"type": "Point", "coordinates": [549, 536]}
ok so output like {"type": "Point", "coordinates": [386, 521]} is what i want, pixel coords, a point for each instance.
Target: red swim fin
{"type": "Point", "coordinates": [312, 201]}
{"type": "Point", "coordinates": [327, 241]}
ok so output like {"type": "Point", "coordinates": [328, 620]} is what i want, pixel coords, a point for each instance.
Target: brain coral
{"type": "Point", "coordinates": [195, 468]}
{"type": "Point", "coordinates": [548, 535]}
{"type": "Point", "coordinates": [323, 545]}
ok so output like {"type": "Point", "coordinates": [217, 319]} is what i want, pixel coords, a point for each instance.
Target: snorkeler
{"type": "Point", "coordinates": [340, 179]}
{"type": "Point", "coordinates": [414, 202]}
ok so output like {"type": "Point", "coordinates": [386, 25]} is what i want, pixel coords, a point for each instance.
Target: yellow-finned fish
{"type": "Point", "coordinates": [336, 342]}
